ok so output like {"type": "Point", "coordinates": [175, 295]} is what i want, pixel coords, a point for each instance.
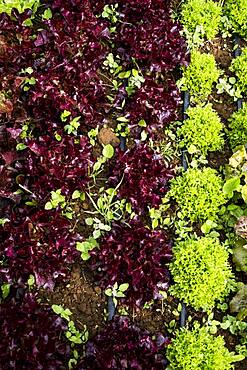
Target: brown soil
{"type": "Point", "coordinates": [156, 318]}
{"type": "Point", "coordinates": [86, 301]}
{"type": "Point", "coordinates": [175, 4]}
{"type": "Point", "coordinates": [223, 104]}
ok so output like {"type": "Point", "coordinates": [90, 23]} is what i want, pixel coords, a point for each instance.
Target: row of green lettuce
{"type": "Point", "coordinates": [211, 224]}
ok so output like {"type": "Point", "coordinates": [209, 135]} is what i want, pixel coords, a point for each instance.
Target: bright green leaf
{"type": "Point", "coordinates": [5, 288]}
{"type": "Point", "coordinates": [123, 287]}
{"type": "Point", "coordinates": [108, 151]}
{"type": "Point", "coordinates": [142, 123]}
{"type": "Point", "coordinates": [192, 149]}
{"type": "Point", "coordinates": [123, 119]}
{"type": "Point", "coordinates": [96, 166]}
{"type": "Point", "coordinates": [76, 194]}
{"type": "Point", "coordinates": [29, 70]}
{"type": "Point", "coordinates": [231, 185]}
{"type": "Point", "coordinates": [58, 137]}
{"type": "Point", "coordinates": [47, 14]}
{"type": "Point", "coordinates": [244, 193]}
{"type": "Point", "coordinates": [96, 234]}
{"type": "Point", "coordinates": [232, 80]}
{"type": "Point", "coordinates": [48, 206]}
{"type": "Point", "coordinates": [144, 135]}
{"type": "Point", "coordinates": [20, 146]}
{"type": "Point", "coordinates": [89, 221]}
{"type": "Point", "coordinates": [57, 309]}
{"type": "Point", "coordinates": [108, 292]}
{"type": "Point", "coordinates": [31, 280]}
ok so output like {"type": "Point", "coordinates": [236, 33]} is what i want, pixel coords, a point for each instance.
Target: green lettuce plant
{"type": "Point", "coordinates": [239, 67]}
{"type": "Point", "coordinates": [198, 350]}
{"type": "Point", "coordinates": [201, 19]}
{"type": "Point", "coordinates": [238, 127]}
{"type": "Point", "coordinates": [21, 5]}
{"type": "Point", "coordinates": [201, 272]}
{"type": "Point", "coordinates": [236, 12]}
{"type": "Point", "coordinates": [202, 130]}
{"type": "Point", "coordinates": [200, 76]}
{"type": "Point", "coordinates": [198, 194]}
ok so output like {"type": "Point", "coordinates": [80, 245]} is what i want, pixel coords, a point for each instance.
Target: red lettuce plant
{"type": "Point", "coordinates": [71, 48]}
{"type": "Point", "coordinates": [40, 244]}
{"type": "Point", "coordinates": [146, 177]}
{"type": "Point", "coordinates": [156, 103]}
{"type": "Point", "coordinates": [31, 336]}
{"type": "Point", "coordinates": [148, 34]}
{"type": "Point", "coordinates": [122, 345]}
{"type": "Point", "coordinates": [15, 43]}
{"type": "Point", "coordinates": [53, 165]}
{"type": "Point", "coordinates": [63, 49]}
{"type": "Point", "coordinates": [135, 255]}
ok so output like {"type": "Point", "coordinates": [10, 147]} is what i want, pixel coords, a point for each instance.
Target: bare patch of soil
{"type": "Point", "coordinates": [156, 318]}
{"type": "Point", "coordinates": [85, 301]}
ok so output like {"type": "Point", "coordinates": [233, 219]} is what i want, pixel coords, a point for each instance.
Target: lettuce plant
{"type": "Point", "coordinates": [58, 55]}
{"type": "Point", "coordinates": [21, 5]}
{"type": "Point", "coordinates": [157, 113]}
{"type": "Point", "coordinates": [150, 36]}
{"type": "Point", "coordinates": [200, 76]}
{"type": "Point", "coordinates": [59, 165]}
{"type": "Point", "coordinates": [145, 174]}
{"type": "Point", "coordinates": [201, 272]}
{"type": "Point", "coordinates": [236, 11]}
{"type": "Point", "coordinates": [198, 194]}
{"type": "Point", "coordinates": [237, 125]}
{"type": "Point", "coordinates": [239, 67]}
{"type": "Point", "coordinates": [31, 336]}
{"type": "Point", "coordinates": [203, 17]}
{"type": "Point", "coordinates": [197, 349]}
{"type": "Point", "coordinates": [40, 244]}
{"type": "Point", "coordinates": [122, 345]}
{"type": "Point", "coordinates": [134, 255]}
{"type": "Point", "coordinates": [203, 129]}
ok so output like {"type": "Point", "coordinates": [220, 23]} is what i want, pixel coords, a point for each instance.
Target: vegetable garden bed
{"type": "Point", "coordinates": [123, 191]}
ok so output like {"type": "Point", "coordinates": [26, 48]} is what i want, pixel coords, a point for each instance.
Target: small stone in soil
{"type": "Point", "coordinates": [97, 290]}
{"type": "Point", "coordinates": [107, 136]}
